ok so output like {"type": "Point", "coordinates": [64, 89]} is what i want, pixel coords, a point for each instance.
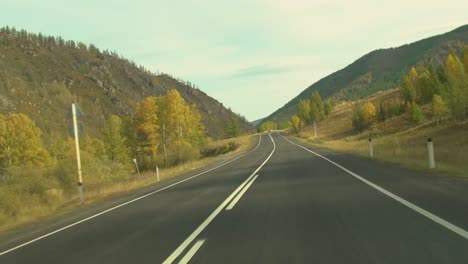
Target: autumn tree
{"type": "Point", "coordinates": [295, 123]}
{"type": "Point", "coordinates": [304, 111]}
{"type": "Point", "coordinates": [147, 125]}
{"type": "Point", "coordinates": [364, 116]}
{"type": "Point", "coordinates": [417, 115]}
{"type": "Point", "coordinates": [424, 87]}
{"type": "Point", "coordinates": [184, 123]}
{"type": "Point", "coordinates": [317, 100]}
{"type": "Point", "coordinates": [20, 141]}
{"type": "Point", "coordinates": [407, 89]}
{"type": "Point", "coordinates": [439, 108]}
{"type": "Point", "coordinates": [455, 92]}
{"type": "Point", "coordinates": [116, 149]}
{"type": "Point", "coordinates": [370, 113]}
{"type": "Point", "coordinates": [267, 126]}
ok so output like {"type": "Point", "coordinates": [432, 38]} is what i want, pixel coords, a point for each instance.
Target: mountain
{"type": "Point", "coordinates": [257, 122]}
{"type": "Point", "coordinates": [378, 70]}
{"type": "Point", "coordinates": [41, 76]}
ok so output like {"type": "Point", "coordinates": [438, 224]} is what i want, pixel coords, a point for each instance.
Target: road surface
{"type": "Point", "coordinates": [279, 203]}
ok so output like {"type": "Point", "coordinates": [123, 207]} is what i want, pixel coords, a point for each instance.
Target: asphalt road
{"type": "Point", "coordinates": [279, 203]}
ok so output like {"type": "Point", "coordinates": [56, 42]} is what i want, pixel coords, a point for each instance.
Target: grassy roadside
{"type": "Point", "coordinates": [58, 203]}
{"type": "Point", "coordinates": [395, 140]}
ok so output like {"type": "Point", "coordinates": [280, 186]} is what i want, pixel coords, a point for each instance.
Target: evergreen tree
{"type": "Point", "coordinates": [232, 128]}
{"type": "Point", "coordinates": [116, 149]}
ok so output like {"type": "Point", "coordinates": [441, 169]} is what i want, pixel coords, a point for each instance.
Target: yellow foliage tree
{"type": "Point", "coordinates": [295, 122]}
{"type": "Point", "coordinates": [369, 113]}
{"type": "Point", "coordinates": [413, 75]}
{"type": "Point", "coordinates": [269, 125]}
{"type": "Point", "coordinates": [20, 141]}
{"type": "Point", "coordinates": [147, 124]}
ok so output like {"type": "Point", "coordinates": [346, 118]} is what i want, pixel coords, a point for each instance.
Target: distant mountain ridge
{"type": "Point", "coordinates": [378, 70]}
{"type": "Point", "coordinates": [41, 76]}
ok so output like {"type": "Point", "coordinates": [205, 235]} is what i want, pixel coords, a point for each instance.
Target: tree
{"type": "Point", "coordinates": [304, 111]}
{"type": "Point", "coordinates": [328, 107]}
{"type": "Point", "coordinates": [424, 87]}
{"type": "Point", "coordinates": [314, 113]}
{"type": "Point", "coordinates": [364, 116]}
{"type": "Point", "coordinates": [382, 114]}
{"type": "Point", "coordinates": [369, 114]}
{"type": "Point", "coordinates": [317, 107]}
{"type": "Point", "coordinates": [295, 123]}
{"type": "Point", "coordinates": [232, 128]}
{"type": "Point", "coordinates": [407, 89]}
{"type": "Point", "coordinates": [416, 114]}
{"type": "Point", "coordinates": [317, 100]}
{"type": "Point", "coordinates": [116, 149]}
{"type": "Point", "coordinates": [267, 126]}
{"type": "Point", "coordinates": [439, 108]}
{"type": "Point", "coordinates": [454, 90]}
{"type": "Point", "coordinates": [184, 124]}
{"type": "Point", "coordinates": [147, 125]}
{"type": "Point", "coordinates": [465, 59]}
{"type": "Point", "coordinates": [413, 75]}
{"type": "Point", "coordinates": [20, 141]}
{"type": "Point", "coordinates": [358, 118]}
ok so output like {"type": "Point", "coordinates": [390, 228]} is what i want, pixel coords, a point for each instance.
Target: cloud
{"type": "Point", "coordinates": [262, 70]}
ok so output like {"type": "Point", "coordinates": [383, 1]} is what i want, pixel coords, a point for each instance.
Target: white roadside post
{"type": "Point", "coordinates": [136, 165]}
{"type": "Point", "coordinates": [157, 172]}
{"type": "Point", "coordinates": [78, 157]}
{"type": "Point", "coordinates": [430, 152]}
{"type": "Point", "coordinates": [371, 148]}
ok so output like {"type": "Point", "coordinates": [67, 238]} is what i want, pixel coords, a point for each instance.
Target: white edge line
{"type": "Point", "coordinates": [406, 203]}
{"type": "Point", "coordinates": [192, 251]}
{"type": "Point", "coordinates": [241, 193]}
{"type": "Point", "coordinates": [212, 216]}
{"type": "Point", "coordinates": [126, 203]}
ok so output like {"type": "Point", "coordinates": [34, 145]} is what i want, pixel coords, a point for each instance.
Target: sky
{"type": "Point", "coordinates": [253, 56]}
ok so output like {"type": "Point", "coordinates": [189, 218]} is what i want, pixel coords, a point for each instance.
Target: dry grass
{"type": "Point", "coordinates": [396, 139]}
{"type": "Point", "coordinates": [58, 202]}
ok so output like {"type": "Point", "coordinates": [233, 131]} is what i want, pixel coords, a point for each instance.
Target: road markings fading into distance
{"type": "Point", "coordinates": [128, 202]}
{"type": "Point", "coordinates": [235, 200]}
{"type": "Point", "coordinates": [406, 203]}
{"type": "Point", "coordinates": [192, 251]}
{"type": "Point", "coordinates": [212, 216]}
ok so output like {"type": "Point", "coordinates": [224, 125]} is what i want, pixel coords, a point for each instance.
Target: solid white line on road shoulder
{"type": "Point", "coordinates": [235, 200]}
{"type": "Point", "coordinates": [192, 252]}
{"type": "Point", "coordinates": [128, 202]}
{"type": "Point", "coordinates": [406, 203]}
{"type": "Point", "coordinates": [212, 216]}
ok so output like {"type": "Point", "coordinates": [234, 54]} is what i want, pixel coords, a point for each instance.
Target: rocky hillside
{"type": "Point", "coordinates": [41, 76]}
{"type": "Point", "coordinates": [379, 70]}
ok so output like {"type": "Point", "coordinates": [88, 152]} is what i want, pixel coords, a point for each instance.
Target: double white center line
{"type": "Point", "coordinates": [240, 190]}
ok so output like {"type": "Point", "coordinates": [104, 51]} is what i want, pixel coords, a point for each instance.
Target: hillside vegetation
{"type": "Point", "coordinates": [378, 70]}
{"type": "Point", "coordinates": [430, 103]}
{"type": "Point", "coordinates": [41, 76]}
